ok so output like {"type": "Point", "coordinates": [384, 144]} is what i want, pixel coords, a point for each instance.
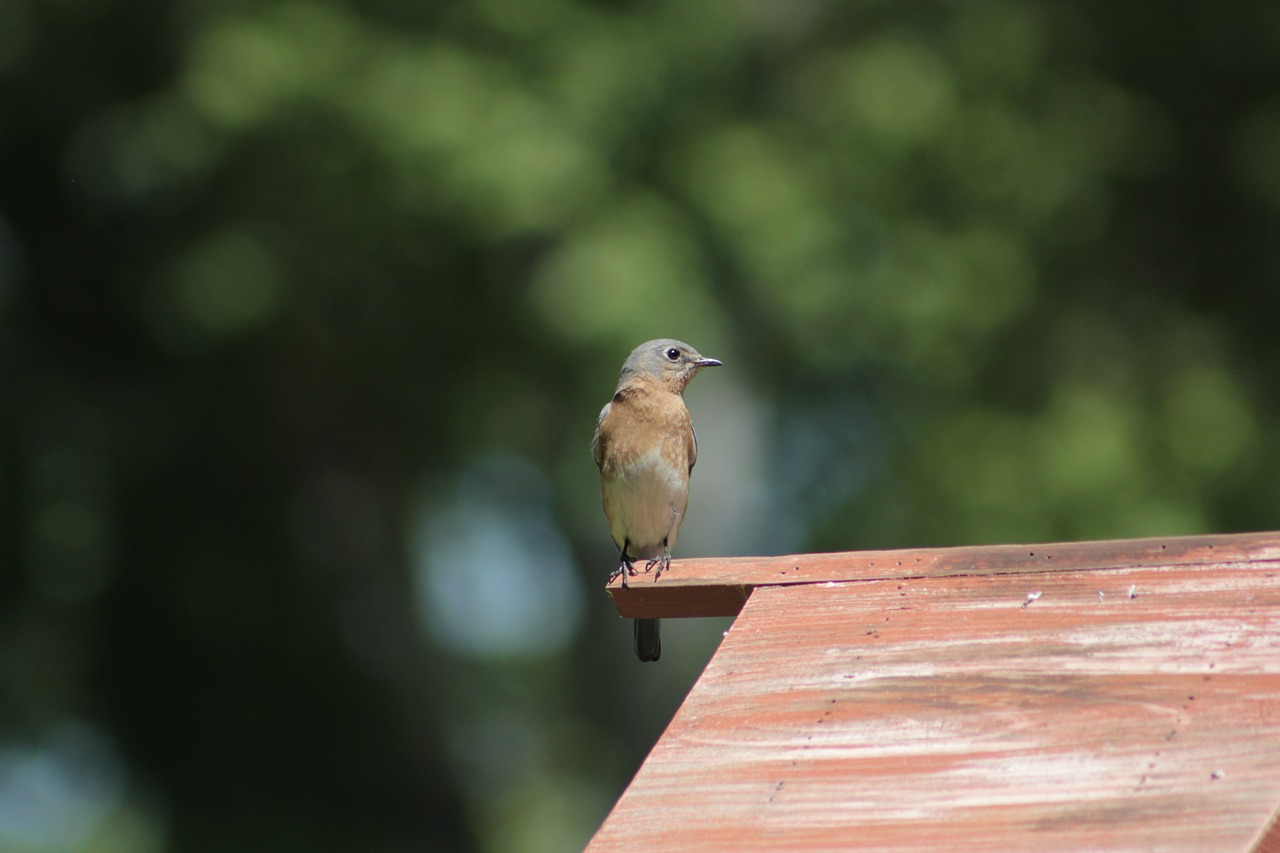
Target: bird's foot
{"type": "Point", "coordinates": [661, 563]}
{"type": "Point", "coordinates": [624, 569]}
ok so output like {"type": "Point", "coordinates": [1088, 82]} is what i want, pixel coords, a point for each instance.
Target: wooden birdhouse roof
{"type": "Point", "coordinates": [1117, 695]}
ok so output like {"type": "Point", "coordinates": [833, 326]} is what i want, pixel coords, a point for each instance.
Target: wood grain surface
{"type": "Point", "coordinates": [719, 587]}
{"type": "Point", "coordinates": [1104, 696]}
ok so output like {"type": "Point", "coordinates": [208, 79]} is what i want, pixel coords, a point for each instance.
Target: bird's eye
{"type": "Point", "coordinates": [673, 354]}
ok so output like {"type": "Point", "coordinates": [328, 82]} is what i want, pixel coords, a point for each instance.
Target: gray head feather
{"type": "Point", "coordinates": [670, 361]}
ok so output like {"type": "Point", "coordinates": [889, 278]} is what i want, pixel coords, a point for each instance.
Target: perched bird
{"type": "Point", "coordinates": [645, 448]}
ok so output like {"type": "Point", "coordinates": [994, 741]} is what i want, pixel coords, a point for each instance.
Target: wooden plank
{"type": "Point", "coordinates": [719, 587]}
{"type": "Point", "coordinates": [940, 713]}
{"type": "Point", "coordinates": [1268, 840]}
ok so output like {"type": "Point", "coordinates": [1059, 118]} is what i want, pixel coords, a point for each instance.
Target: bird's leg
{"type": "Point", "coordinates": [662, 562]}
{"type": "Point", "coordinates": [625, 566]}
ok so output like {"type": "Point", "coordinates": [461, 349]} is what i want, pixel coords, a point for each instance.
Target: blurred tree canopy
{"type": "Point", "coordinates": [307, 309]}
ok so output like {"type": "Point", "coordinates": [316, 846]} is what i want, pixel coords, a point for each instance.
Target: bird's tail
{"type": "Point", "coordinates": [648, 644]}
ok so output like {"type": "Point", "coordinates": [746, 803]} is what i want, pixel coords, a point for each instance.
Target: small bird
{"type": "Point", "coordinates": [645, 448]}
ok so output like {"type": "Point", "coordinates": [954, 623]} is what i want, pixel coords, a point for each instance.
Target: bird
{"type": "Point", "coordinates": [645, 448]}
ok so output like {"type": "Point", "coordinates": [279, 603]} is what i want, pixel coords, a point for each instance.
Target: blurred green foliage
{"type": "Point", "coordinates": [307, 309]}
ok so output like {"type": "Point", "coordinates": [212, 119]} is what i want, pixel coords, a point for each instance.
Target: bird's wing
{"type": "Point", "coordinates": [597, 446]}
{"type": "Point", "coordinates": [693, 446]}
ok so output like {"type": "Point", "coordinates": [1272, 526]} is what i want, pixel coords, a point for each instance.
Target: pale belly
{"type": "Point", "coordinates": [645, 503]}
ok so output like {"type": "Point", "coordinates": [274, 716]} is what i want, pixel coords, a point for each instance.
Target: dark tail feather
{"type": "Point", "coordinates": [648, 644]}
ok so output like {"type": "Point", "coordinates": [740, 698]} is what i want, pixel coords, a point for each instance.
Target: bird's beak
{"type": "Point", "coordinates": [708, 362]}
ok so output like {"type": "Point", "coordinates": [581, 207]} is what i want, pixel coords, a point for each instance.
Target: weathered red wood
{"type": "Point", "coordinates": [1130, 707]}
{"type": "Point", "coordinates": [718, 587]}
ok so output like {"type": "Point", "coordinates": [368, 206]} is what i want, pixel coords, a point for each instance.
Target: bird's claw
{"type": "Point", "coordinates": [661, 563]}
{"type": "Point", "coordinates": [624, 569]}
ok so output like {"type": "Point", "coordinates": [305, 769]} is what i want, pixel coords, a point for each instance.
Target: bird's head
{"type": "Point", "coordinates": [672, 362]}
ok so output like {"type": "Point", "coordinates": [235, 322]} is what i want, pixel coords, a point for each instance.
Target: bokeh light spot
{"type": "Point", "coordinates": [494, 573]}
